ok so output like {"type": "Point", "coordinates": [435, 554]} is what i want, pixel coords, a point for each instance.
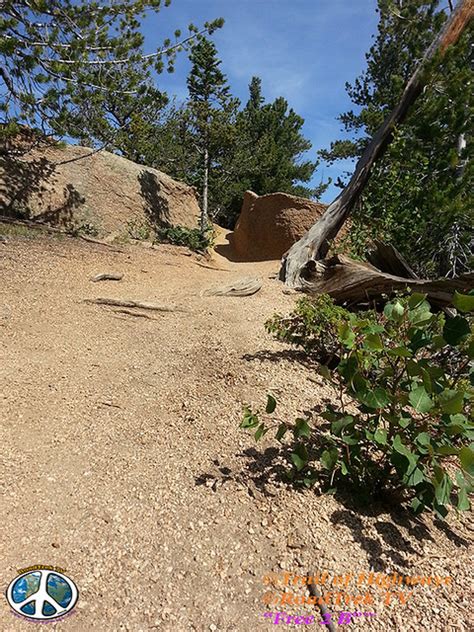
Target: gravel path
{"type": "Point", "coordinates": [123, 463]}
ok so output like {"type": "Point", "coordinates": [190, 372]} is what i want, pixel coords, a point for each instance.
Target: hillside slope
{"type": "Point", "coordinates": [123, 462]}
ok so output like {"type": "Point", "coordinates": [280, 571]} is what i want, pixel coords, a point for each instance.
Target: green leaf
{"type": "Point", "coordinates": [378, 398]}
{"type": "Point", "coordinates": [394, 311]}
{"type": "Point", "coordinates": [405, 422]}
{"type": "Point", "coordinates": [470, 350]}
{"type": "Point", "coordinates": [271, 404]}
{"type": "Point", "coordinates": [442, 488]}
{"type": "Point", "coordinates": [342, 423]}
{"type": "Point", "coordinates": [413, 368]}
{"type": "Point", "coordinates": [423, 438]}
{"type": "Point", "coordinates": [417, 505]}
{"type": "Point", "coordinates": [420, 316]}
{"type": "Point", "coordinates": [463, 498]}
{"type": "Point", "coordinates": [455, 330]}
{"type": "Point", "coordinates": [416, 477]}
{"type": "Point", "coordinates": [466, 456]}
{"type": "Point", "coordinates": [300, 457]}
{"type": "Point", "coordinates": [420, 400]}
{"type": "Point", "coordinates": [451, 401]}
{"type": "Point", "coordinates": [446, 450]}
{"type": "Point", "coordinates": [463, 302]}
{"type": "Point", "coordinates": [282, 428]}
{"type": "Point", "coordinates": [329, 458]}
{"type": "Point", "coordinates": [302, 429]}
{"type": "Point", "coordinates": [261, 430]}
{"type": "Point", "coordinates": [346, 335]}
{"type": "Point", "coordinates": [350, 439]}
{"type": "Point", "coordinates": [400, 352]}
{"type": "Point", "coordinates": [250, 420]}
{"type": "Point", "coordinates": [373, 342]}
{"type": "Point", "coordinates": [324, 371]}
{"type": "Point", "coordinates": [380, 436]}
{"type": "Point", "coordinates": [399, 447]}
{"type": "Point", "coordinates": [416, 299]}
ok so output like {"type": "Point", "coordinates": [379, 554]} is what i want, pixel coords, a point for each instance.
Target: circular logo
{"type": "Point", "coordinates": [42, 594]}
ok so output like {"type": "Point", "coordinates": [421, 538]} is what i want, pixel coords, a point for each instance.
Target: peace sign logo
{"type": "Point", "coordinates": [42, 594]}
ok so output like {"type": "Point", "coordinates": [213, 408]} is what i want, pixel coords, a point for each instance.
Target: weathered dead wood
{"type": "Point", "coordinates": [129, 312]}
{"type": "Point", "coordinates": [356, 282]}
{"type": "Point", "coordinates": [243, 287]}
{"type": "Point", "coordinates": [107, 276]}
{"type": "Point", "coordinates": [203, 265]}
{"type": "Point", "coordinates": [314, 245]}
{"type": "Point", "coordinates": [386, 258]}
{"type": "Point", "coordinates": [114, 302]}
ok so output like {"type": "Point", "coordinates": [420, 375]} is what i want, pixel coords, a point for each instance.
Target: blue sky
{"type": "Point", "coordinates": [303, 50]}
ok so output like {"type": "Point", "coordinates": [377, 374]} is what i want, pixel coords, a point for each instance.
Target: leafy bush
{"type": "Point", "coordinates": [85, 228]}
{"type": "Point", "coordinates": [182, 236]}
{"type": "Point", "coordinates": [400, 422]}
{"type": "Point", "coordinates": [313, 326]}
{"type": "Point", "coordinates": [138, 229]}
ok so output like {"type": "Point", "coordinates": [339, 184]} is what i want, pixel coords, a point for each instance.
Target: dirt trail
{"type": "Point", "coordinates": [122, 460]}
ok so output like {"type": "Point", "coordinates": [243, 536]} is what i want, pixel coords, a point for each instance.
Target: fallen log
{"type": "Point", "coordinates": [130, 312]}
{"type": "Point", "coordinates": [107, 276]}
{"type": "Point", "coordinates": [386, 258]}
{"type": "Point", "coordinates": [314, 245]}
{"type": "Point", "coordinates": [113, 302]}
{"type": "Point", "coordinates": [243, 287]}
{"type": "Point", "coordinates": [353, 282]}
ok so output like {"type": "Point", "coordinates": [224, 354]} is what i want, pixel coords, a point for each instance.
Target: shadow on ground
{"type": "Point", "coordinates": [398, 532]}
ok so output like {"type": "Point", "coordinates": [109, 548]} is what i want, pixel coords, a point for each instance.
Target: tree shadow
{"type": "Point", "coordinates": [63, 214]}
{"type": "Point", "coordinates": [157, 207]}
{"type": "Point", "coordinates": [261, 471]}
{"type": "Point", "coordinates": [25, 180]}
{"type": "Point", "coordinates": [390, 542]}
{"type": "Point", "coordinates": [290, 355]}
{"type": "Point", "coordinates": [387, 532]}
{"type": "Point", "coordinates": [20, 181]}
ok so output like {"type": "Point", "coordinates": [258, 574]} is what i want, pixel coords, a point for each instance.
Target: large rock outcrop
{"type": "Point", "coordinates": [269, 225]}
{"type": "Point", "coordinates": [102, 190]}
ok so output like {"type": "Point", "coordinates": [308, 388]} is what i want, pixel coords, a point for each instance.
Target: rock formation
{"type": "Point", "coordinates": [269, 225]}
{"type": "Point", "coordinates": [102, 190]}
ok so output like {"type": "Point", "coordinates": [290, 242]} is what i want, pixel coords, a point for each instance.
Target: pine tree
{"type": "Point", "coordinates": [210, 109]}
{"type": "Point", "coordinates": [418, 195]}
{"type": "Point", "coordinates": [268, 153]}
{"type": "Point", "coordinates": [65, 61]}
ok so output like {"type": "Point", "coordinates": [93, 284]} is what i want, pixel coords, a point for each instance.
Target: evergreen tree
{"type": "Point", "coordinates": [210, 108]}
{"type": "Point", "coordinates": [64, 61]}
{"type": "Point", "coordinates": [418, 196]}
{"type": "Point", "coordinates": [268, 153]}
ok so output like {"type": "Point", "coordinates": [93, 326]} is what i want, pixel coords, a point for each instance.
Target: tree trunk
{"type": "Point", "coordinates": [355, 282]}
{"type": "Point", "coordinates": [315, 243]}
{"type": "Point", "coordinates": [205, 192]}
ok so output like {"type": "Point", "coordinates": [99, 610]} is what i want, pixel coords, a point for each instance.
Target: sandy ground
{"type": "Point", "coordinates": [122, 461]}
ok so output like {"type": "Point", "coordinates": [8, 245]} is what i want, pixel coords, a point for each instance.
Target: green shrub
{"type": "Point", "coordinates": [400, 424]}
{"type": "Point", "coordinates": [182, 236]}
{"type": "Point", "coordinates": [84, 228]}
{"type": "Point", "coordinates": [312, 326]}
{"type": "Point", "coordinates": [140, 230]}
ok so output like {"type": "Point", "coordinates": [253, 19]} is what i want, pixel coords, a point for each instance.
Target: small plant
{"type": "Point", "coordinates": [193, 238]}
{"type": "Point", "coordinates": [312, 326]}
{"type": "Point", "coordinates": [139, 230]}
{"type": "Point", "coordinates": [85, 228]}
{"type": "Point", "coordinates": [401, 421]}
